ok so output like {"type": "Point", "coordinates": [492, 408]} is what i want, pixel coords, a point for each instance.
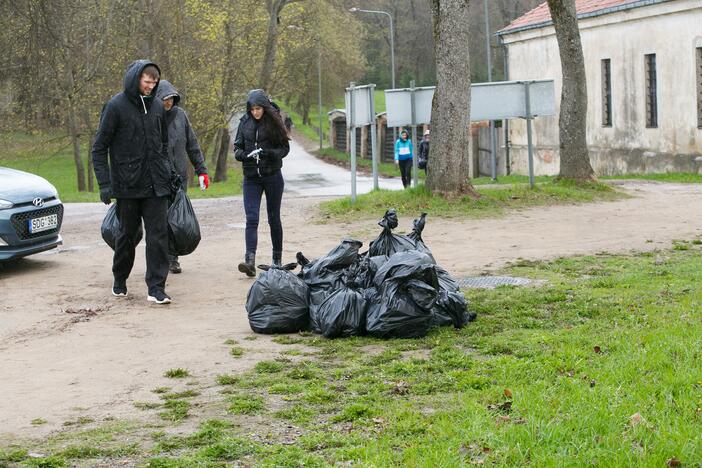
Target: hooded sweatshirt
{"type": "Point", "coordinates": [132, 134]}
{"type": "Point", "coordinates": [403, 149]}
{"type": "Point", "coordinates": [251, 135]}
{"type": "Point", "coordinates": [182, 142]}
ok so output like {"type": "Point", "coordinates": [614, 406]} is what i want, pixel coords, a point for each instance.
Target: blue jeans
{"type": "Point", "coordinates": [254, 188]}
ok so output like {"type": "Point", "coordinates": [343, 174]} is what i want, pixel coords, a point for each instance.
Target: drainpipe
{"type": "Point", "coordinates": [505, 123]}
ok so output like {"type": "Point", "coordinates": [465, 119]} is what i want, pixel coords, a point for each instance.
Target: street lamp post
{"type": "Point", "coordinates": [392, 38]}
{"type": "Point", "coordinates": [319, 89]}
{"type": "Point", "coordinates": [392, 48]}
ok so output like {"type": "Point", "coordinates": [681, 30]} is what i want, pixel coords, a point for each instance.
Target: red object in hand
{"type": "Point", "coordinates": [205, 180]}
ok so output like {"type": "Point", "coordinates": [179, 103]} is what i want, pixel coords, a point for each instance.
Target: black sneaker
{"type": "Point", "coordinates": [175, 268]}
{"type": "Point", "coordinates": [159, 298]}
{"type": "Point", "coordinates": [119, 289]}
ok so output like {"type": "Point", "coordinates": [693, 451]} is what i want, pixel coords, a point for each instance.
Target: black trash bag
{"type": "Point", "coordinates": [324, 275]}
{"type": "Point", "coordinates": [278, 301]}
{"type": "Point", "coordinates": [183, 228]}
{"type": "Point", "coordinates": [111, 228]}
{"type": "Point", "coordinates": [388, 243]}
{"type": "Point", "coordinates": [367, 268]}
{"type": "Point", "coordinates": [402, 297]}
{"type": "Point", "coordinates": [416, 235]}
{"type": "Point", "coordinates": [451, 306]}
{"type": "Point", "coordinates": [343, 313]}
{"type": "Point", "coordinates": [407, 265]}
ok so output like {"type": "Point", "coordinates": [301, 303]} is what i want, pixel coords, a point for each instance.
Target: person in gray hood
{"type": "Point", "coordinates": [182, 145]}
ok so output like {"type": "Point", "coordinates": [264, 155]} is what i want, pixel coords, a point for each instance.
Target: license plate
{"type": "Point", "coordinates": [44, 223]}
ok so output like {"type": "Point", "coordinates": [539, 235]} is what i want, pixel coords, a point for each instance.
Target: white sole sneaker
{"type": "Point", "coordinates": [166, 300]}
{"type": "Point", "coordinates": [118, 294]}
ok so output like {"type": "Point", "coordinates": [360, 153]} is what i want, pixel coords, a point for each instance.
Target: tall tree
{"type": "Point", "coordinates": [572, 125]}
{"type": "Point", "coordinates": [274, 8]}
{"type": "Point", "coordinates": [449, 157]}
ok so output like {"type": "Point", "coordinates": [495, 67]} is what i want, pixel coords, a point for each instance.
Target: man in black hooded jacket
{"type": "Point", "coordinates": [133, 133]}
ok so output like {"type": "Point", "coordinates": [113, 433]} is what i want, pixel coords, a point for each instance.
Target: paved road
{"type": "Point", "coordinates": [306, 175]}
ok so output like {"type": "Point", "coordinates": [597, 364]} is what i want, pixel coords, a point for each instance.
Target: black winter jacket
{"type": "Point", "coordinates": [182, 142]}
{"type": "Point", "coordinates": [133, 132]}
{"type": "Point", "coordinates": [252, 135]}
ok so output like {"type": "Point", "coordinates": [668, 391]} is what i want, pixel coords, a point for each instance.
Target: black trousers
{"type": "Point", "coordinates": [406, 172]}
{"type": "Point", "coordinates": [254, 188]}
{"type": "Point", "coordinates": [154, 212]}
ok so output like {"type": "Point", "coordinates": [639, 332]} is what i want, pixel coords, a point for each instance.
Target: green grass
{"type": "Point", "coordinates": [177, 373]}
{"type": "Point", "coordinates": [225, 379]}
{"type": "Point", "coordinates": [50, 155]}
{"type": "Point", "coordinates": [246, 404]}
{"type": "Point", "coordinates": [175, 410]}
{"type": "Point", "coordinates": [672, 177]}
{"type": "Point", "coordinates": [510, 179]}
{"type": "Point", "coordinates": [493, 201]}
{"type": "Point", "coordinates": [598, 366]}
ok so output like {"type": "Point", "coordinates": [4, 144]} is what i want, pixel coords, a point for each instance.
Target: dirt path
{"type": "Point", "coordinates": [60, 366]}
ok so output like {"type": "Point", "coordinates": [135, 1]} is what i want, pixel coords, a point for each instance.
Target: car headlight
{"type": "Point", "coordinates": [3, 243]}
{"type": "Point", "coordinates": [4, 204]}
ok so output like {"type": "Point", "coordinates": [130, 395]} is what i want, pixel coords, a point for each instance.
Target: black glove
{"type": "Point", "coordinates": [106, 195]}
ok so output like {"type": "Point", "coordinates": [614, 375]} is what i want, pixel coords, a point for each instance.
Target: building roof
{"type": "Point", "coordinates": [541, 16]}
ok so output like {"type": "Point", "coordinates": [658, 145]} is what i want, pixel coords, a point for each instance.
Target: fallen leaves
{"type": "Point", "coordinates": [400, 388]}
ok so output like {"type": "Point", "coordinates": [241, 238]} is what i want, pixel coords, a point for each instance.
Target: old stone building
{"type": "Point", "coordinates": [643, 61]}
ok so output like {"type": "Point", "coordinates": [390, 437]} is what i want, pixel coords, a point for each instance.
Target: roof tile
{"type": "Point", "coordinates": [541, 13]}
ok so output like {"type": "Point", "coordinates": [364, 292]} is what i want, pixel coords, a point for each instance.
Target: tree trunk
{"type": "Point", "coordinates": [216, 141]}
{"type": "Point", "coordinates": [73, 130]}
{"type": "Point", "coordinates": [222, 157]}
{"type": "Point", "coordinates": [274, 8]}
{"type": "Point", "coordinates": [572, 124]}
{"type": "Point", "coordinates": [91, 171]}
{"type": "Point", "coordinates": [449, 152]}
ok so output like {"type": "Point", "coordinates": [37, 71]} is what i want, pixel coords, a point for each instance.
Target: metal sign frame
{"type": "Point", "coordinates": [498, 100]}
{"type": "Point", "coordinates": [360, 111]}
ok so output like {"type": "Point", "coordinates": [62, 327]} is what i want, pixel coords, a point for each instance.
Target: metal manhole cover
{"type": "Point", "coordinates": [491, 282]}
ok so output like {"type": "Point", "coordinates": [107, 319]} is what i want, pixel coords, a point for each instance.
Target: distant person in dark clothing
{"type": "Point", "coordinates": [423, 152]}
{"type": "Point", "coordinates": [403, 157]}
{"type": "Point", "coordinates": [132, 134]}
{"type": "Point", "coordinates": [261, 143]}
{"type": "Point", "coordinates": [182, 145]}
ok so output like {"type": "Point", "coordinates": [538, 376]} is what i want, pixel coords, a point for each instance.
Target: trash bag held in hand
{"type": "Point", "coordinates": [278, 302]}
{"type": "Point", "coordinates": [183, 228]}
{"type": "Point", "coordinates": [111, 228]}
{"type": "Point", "coordinates": [388, 243]}
{"type": "Point", "coordinates": [416, 235]}
{"type": "Point", "coordinates": [343, 313]}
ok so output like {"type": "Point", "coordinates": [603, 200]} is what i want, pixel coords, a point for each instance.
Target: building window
{"type": "Point", "coordinates": [606, 93]}
{"type": "Point", "coordinates": [699, 87]}
{"type": "Point", "coordinates": [651, 97]}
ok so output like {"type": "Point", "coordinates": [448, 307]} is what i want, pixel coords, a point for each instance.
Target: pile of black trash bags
{"type": "Point", "coordinates": [394, 290]}
{"type": "Point", "coordinates": [183, 227]}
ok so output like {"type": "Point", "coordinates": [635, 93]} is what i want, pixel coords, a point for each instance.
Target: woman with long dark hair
{"type": "Point", "coordinates": [261, 144]}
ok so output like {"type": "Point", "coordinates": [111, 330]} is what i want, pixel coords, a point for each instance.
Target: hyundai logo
{"type": "Point", "coordinates": [39, 202]}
